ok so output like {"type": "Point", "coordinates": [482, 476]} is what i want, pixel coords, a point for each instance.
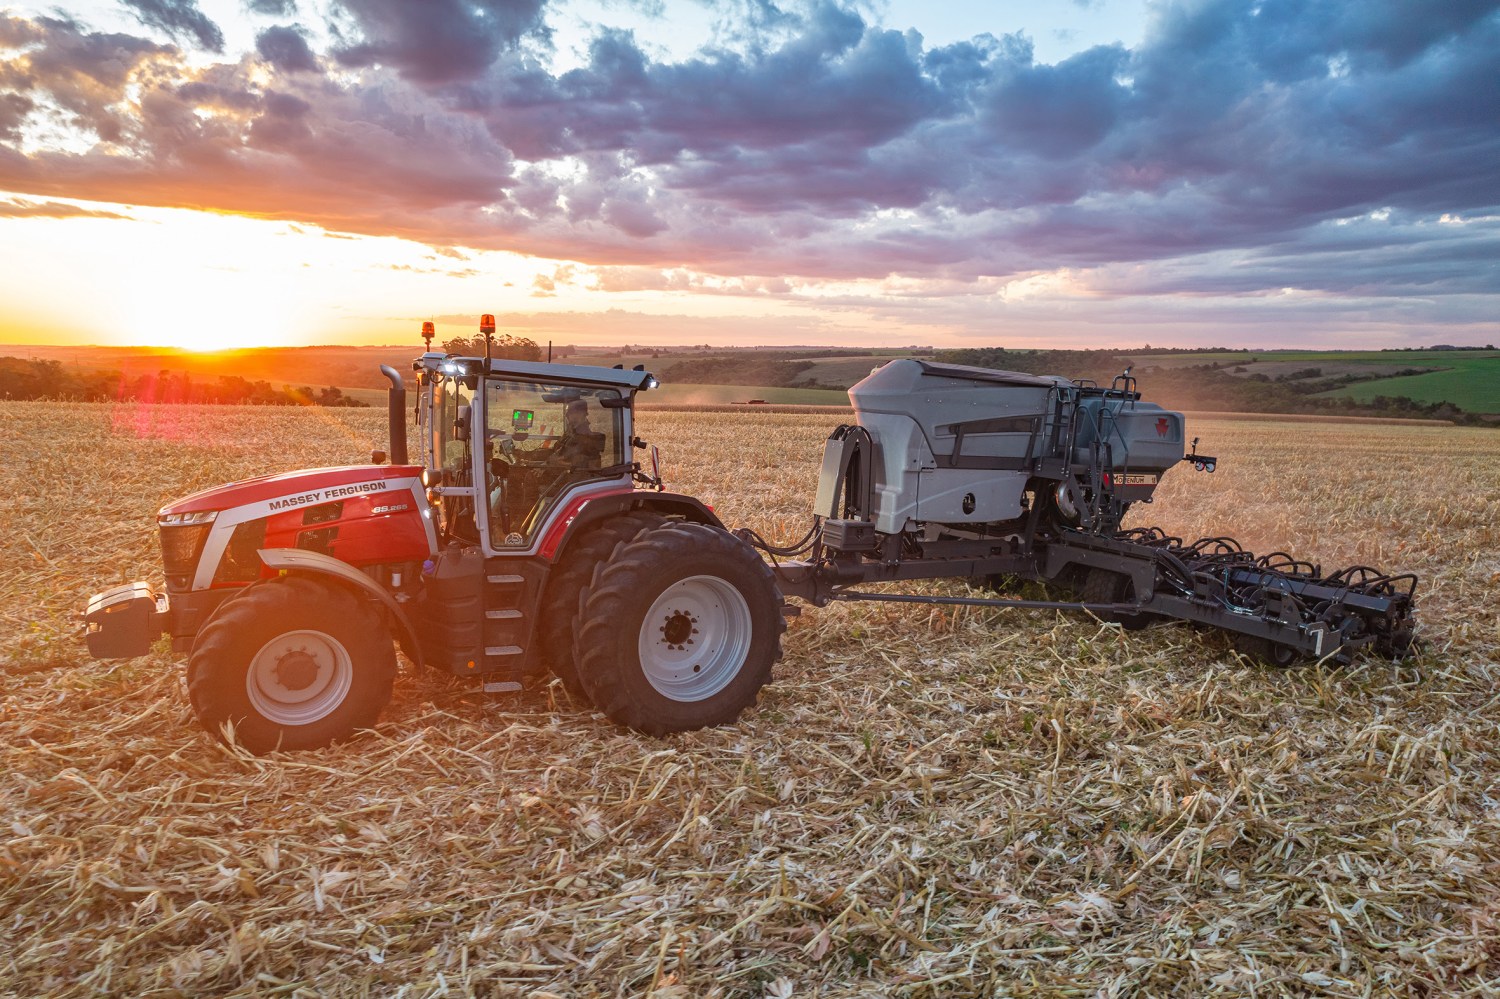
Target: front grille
{"type": "Point", "coordinates": [180, 547]}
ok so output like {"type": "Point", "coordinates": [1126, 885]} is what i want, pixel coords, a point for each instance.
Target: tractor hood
{"type": "Point", "coordinates": [305, 487]}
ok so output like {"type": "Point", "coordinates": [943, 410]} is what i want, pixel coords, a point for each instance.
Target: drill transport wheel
{"type": "Point", "coordinates": [680, 630]}
{"type": "Point", "coordinates": [291, 663]}
{"type": "Point", "coordinates": [1100, 586]}
{"type": "Point", "coordinates": [1263, 650]}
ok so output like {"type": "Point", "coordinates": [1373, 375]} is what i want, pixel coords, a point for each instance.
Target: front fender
{"type": "Point", "coordinates": [299, 560]}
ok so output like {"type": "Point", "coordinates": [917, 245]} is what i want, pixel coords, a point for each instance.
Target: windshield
{"type": "Point", "coordinates": [539, 439]}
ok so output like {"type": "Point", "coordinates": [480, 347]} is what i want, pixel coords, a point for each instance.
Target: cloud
{"type": "Point", "coordinates": [1225, 154]}
{"type": "Point", "coordinates": [178, 18]}
{"type": "Point", "coordinates": [273, 8]}
{"type": "Point", "coordinates": [466, 272]}
{"type": "Point", "coordinates": [286, 48]}
{"type": "Point", "coordinates": [14, 109]}
{"type": "Point", "coordinates": [19, 208]}
{"type": "Point", "coordinates": [436, 41]}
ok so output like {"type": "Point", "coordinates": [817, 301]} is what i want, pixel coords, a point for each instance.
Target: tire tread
{"type": "Point", "coordinates": [557, 630]}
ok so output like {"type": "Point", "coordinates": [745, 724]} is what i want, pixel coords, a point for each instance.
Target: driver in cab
{"type": "Point", "coordinates": [580, 445]}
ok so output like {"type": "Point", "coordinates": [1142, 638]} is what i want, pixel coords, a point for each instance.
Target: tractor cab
{"type": "Point", "coordinates": [504, 443]}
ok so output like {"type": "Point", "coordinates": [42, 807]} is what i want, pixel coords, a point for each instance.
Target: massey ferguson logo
{"type": "Point", "coordinates": [1162, 426]}
{"type": "Point", "coordinates": [327, 495]}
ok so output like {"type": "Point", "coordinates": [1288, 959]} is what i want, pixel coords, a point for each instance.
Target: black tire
{"type": "Point", "coordinates": [558, 626]}
{"type": "Point", "coordinates": [1101, 586]}
{"type": "Point", "coordinates": [326, 628]}
{"type": "Point", "coordinates": [655, 593]}
{"type": "Point", "coordinates": [1267, 652]}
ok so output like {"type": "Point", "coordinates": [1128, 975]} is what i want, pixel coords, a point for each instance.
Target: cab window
{"type": "Point", "coordinates": [540, 439]}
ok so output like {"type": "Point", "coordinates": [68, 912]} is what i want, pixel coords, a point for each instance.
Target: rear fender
{"type": "Point", "coordinates": [315, 563]}
{"type": "Point", "coordinates": [607, 506]}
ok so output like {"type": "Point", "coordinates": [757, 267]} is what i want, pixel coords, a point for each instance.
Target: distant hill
{"type": "Point", "coordinates": [1461, 384]}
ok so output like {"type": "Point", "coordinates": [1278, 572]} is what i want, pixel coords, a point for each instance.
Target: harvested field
{"type": "Point", "coordinates": [924, 803]}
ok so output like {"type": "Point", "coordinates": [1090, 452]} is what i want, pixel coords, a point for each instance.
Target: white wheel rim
{"type": "Point", "coordinates": [299, 677]}
{"type": "Point", "coordinates": [695, 638]}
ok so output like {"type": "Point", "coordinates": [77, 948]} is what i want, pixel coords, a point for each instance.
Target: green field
{"type": "Point", "coordinates": [1472, 385]}
{"type": "Point", "coordinates": [1470, 379]}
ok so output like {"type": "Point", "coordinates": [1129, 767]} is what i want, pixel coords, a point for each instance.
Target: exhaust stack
{"type": "Point", "coordinates": [396, 405]}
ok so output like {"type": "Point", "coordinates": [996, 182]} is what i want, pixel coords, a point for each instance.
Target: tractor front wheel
{"type": "Point", "coordinates": [291, 663]}
{"type": "Point", "coordinates": [680, 630]}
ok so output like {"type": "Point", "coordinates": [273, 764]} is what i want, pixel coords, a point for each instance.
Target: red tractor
{"type": "Point", "coordinates": [527, 538]}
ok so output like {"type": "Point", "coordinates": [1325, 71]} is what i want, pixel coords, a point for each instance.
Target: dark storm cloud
{"type": "Point", "coordinates": [436, 41]}
{"type": "Point", "coordinates": [286, 48]}
{"type": "Point", "coordinates": [178, 19]}
{"type": "Point", "coordinates": [809, 143]}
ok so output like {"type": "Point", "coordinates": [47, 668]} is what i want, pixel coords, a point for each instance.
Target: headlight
{"type": "Point", "coordinates": [187, 519]}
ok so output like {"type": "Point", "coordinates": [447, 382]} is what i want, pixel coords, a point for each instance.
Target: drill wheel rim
{"type": "Point", "coordinates": [695, 638]}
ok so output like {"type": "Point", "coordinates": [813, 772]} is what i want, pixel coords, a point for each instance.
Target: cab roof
{"type": "Point", "coordinates": [538, 370]}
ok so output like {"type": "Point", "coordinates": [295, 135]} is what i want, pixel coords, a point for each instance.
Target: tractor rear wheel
{"type": "Point", "coordinates": [680, 630]}
{"type": "Point", "coordinates": [291, 663]}
{"type": "Point", "coordinates": [558, 627]}
{"type": "Point", "coordinates": [1101, 586]}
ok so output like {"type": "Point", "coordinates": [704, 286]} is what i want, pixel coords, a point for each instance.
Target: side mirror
{"type": "Point", "coordinates": [461, 423]}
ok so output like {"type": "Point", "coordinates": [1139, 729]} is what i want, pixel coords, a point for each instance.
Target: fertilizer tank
{"type": "Point", "coordinates": [959, 445]}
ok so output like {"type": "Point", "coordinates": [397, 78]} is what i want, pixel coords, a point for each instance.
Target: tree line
{"type": "Point", "coordinates": [28, 379]}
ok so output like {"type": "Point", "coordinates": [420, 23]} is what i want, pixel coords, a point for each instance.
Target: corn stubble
{"type": "Point", "coordinates": [924, 803]}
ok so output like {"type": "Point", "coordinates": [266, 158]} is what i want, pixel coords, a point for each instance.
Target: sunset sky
{"type": "Point", "coordinates": [884, 172]}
